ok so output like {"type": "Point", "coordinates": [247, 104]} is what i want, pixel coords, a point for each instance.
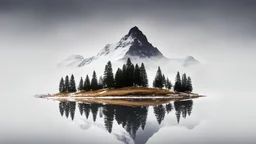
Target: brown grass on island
{"type": "Point", "coordinates": [126, 102]}
{"type": "Point", "coordinates": [128, 91]}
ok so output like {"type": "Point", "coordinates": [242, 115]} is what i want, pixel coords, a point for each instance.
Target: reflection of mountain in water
{"type": "Point", "coordinates": [130, 118]}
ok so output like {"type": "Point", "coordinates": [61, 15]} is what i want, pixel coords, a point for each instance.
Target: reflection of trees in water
{"type": "Point", "coordinates": [159, 113]}
{"type": "Point", "coordinates": [183, 108]}
{"type": "Point", "coordinates": [69, 108]}
{"type": "Point", "coordinates": [130, 118]}
{"type": "Point", "coordinates": [108, 112]}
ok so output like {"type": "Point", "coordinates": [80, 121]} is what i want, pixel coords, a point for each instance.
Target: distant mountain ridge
{"type": "Point", "coordinates": [134, 45]}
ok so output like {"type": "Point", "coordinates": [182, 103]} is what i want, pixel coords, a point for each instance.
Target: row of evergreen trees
{"type": "Point", "coordinates": [160, 81]}
{"type": "Point", "coordinates": [183, 84]}
{"type": "Point", "coordinates": [67, 85]}
{"type": "Point", "coordinates": [128, 76]}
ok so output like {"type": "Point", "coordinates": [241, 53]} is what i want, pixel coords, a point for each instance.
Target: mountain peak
{"type": "Point", "coordinates": [137, 34]}
{"type": "Point", "coordinates": [134, 29]}
{"type": "Point", "coordinates": [134, 45]}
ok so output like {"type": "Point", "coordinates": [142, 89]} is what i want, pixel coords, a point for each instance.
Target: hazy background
{"type": "Point", "coordinates": [37, 34]}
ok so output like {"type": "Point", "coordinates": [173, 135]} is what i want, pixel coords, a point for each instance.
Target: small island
{"type": "Point", "coordinates": [127, 85]}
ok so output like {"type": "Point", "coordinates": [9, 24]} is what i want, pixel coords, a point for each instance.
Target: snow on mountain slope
{"type": "Point", "coordinates": [134, 45]}
{"type": "Point", "coordinates": [73, 60]}
{"type": "Point", "coordinates": [111, 52]}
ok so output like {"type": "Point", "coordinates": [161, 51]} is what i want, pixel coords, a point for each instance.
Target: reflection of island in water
{"type": "Point", "coordinates": [130, 118]}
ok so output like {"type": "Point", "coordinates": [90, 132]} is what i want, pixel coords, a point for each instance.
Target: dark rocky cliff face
{"type": "Point", "coordinates": [141, 47]}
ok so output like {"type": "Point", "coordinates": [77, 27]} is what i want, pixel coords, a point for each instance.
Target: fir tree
{"type": "Point", "coordinates": [129, 73]}
{"type": "Point", "coordinates": [119, 78]}
{"type": "Point", "coordinates": [137, 76]}
{"type": "Point", "coordinates": [168, 84]}
{"type": "Point", "coordinates": [189, 85]}
{"type": "Point", "coordinates": [144, 77]}
{"type": "Point", "coordinates": [123, 75]}
{"type": "Point", "coordinates": [94, 82]}
{"type": "Point", "coordinates": [184, 83]}
{"type": "Point", "coordinates": [164, 81]}
{"type": "Point", "coordinates": [61, 86]}
{"type": "Point", "coordinates": [158, 82]}
{"type": "Point", "coordinates": [87, 84]}
{"type": "Point", "coordinates": [108, 75]}
{"type": "Point", "coordinates": [66, 86]}
{"type": "Point", "coordinates": [81, 85]}
{"type": "Point", "coordinates": [177, 86]}
{"type": "Point", "coordinates": [72, 85]}
{"type": "Point", "coordinates": [101, 83]}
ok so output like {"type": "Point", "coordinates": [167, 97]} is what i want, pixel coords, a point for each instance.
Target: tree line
{"type": "Point", "coordinates": [127, 76]}
{"type": "Point", "coordinates": [183, 84]}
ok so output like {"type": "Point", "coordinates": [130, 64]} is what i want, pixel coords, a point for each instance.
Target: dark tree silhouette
{"type": "Point", "coordinates": [137, 76]}
{"type": "Point", "coordinates": [94, 82]}
{"type": "Point", "coordinates": [72, 84]}
{"type": "Point", "coordinates": [94, 109]}
{"type": "Point", "coordinates": [87, 83]}
{"type": "Point", "coordinates": [144, 77]}
{"type": "Point", "coordinates": [87, 110]}
{"type": "Point", "coordinates": [158, 82]}
{"type": "Point", "coordinates": [129, 73]}
{"type": "Point", "coordinates": [184, 83]}
{"type": "Point", "coordinates": [66, 86]}
{"type": "Point", "coordinates": [81, 108]}
{"type": "Point", "coordinates": [184, 108]}
{"type": "Point", "coordinates": [119, 78]}
{"type": "Point", "coordinates": [143, 117]}
{"type": "Point", "coordinates": [81, 85]}
{"type": "Point", "coordinates": [72, 107]}
{"type": "Point", "coordinates": [108, 75]}
{"type": "Point", "coordinates": [61, 107]}
{"type": "Point", "coordinates": [159, 113]}
{"type": "Point", "coordinates": [189, 85]}
{"type": "Point", "coordinates": [61, 85]}
{"type": "Point", "coordinates": [108, 112]}
{"type": "Point", "coordinates": [164, 81]}
{"type": "Point", "coordinates": [177, 86]}
{"type": "Point", "coordinates": [168, 84]}
{"type": "Point", "coordinates": [168, 107]}
{"type": "Point", "coordinates": [66, 109]}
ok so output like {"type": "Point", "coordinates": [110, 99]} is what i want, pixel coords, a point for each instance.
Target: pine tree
{"type": "Point", "coordinates": [94, 82]}
{"type": "Point", "coordinates": [123, 76]}
{"type": "Point", "coordinates": [81, 85]}
{"type": "Point", "coordinates": [101, 84]}
{"type": "Point", "coordinates": [158, 82]}
{"type": "Point", "coordinates": [66, 86]}
{"type": "Point", "coordinates": [61, 86]}
{"type": "Point", "coordinates": [164, 81]}
{"type": "Point", "coordinates": [72, 85]}
{"type": "Point", "coordinates": [189, 85]}
{"type": "Point", "coordinates": [168, 84]}
{"type": "Point", "coordinates": [137, 76]}
{"type": "Point", "coordinates": [129, 73]}
{"type": "Point", "coordinates": [119, 78]}
{"type": "Point", "coordinates": [87, 83]}
{"type": "Point", "coordinates": [144, 77]}
{"type": "Point", "coordinates": [184, 83]}
{"type": "Point", "coordinates": [177, 86]}
{"type": "Point", "coordinates": [108, 75]}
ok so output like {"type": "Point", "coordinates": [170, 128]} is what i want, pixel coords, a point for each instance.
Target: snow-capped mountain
{"type": "Point", "coordinates": [134, 45]}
